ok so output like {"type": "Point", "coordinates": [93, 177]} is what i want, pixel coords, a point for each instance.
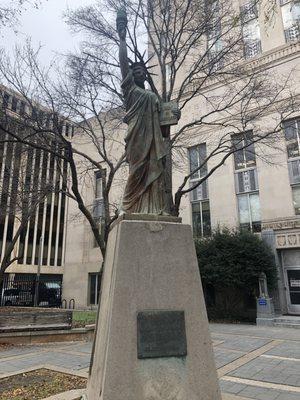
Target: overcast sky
{"type": "Point", "coordinates": [45, 26]}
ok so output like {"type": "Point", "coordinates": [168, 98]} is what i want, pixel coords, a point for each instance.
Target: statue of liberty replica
{"type": "Point", "coordinates": [152, 340]}
{"type": "Point", "coordinates": [145, 148]}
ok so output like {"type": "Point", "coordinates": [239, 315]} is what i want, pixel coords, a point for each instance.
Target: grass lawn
{"type": "Point", "coordinates": [82, 318]}
{"type": "Point", "coordinates": [38, 384]}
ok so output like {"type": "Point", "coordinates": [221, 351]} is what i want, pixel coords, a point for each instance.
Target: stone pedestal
{"type": "Point", "coordinates": [264, 304]}
{"type": "Point", "coordinates": [152, 340]}
{"type": "Point", "coordinates": [265, 311]}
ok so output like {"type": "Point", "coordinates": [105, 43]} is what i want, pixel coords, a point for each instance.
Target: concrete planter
{"type": "Point", "coordinates": [30, 319]}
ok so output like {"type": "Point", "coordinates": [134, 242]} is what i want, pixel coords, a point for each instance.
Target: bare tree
{"type": "Point", "coordinates": [75, 98]}
{"type": "Point", "coordinates": [11, 10]}
{"type": "Point", "coordinates": [196, 49]}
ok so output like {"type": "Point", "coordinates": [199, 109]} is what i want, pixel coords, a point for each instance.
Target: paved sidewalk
{"type": "Point", "coordinates": [253, 363]}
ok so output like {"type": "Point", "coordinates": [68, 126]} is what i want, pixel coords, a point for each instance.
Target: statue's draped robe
{"type": "Point", "coordinates": [145, 150]}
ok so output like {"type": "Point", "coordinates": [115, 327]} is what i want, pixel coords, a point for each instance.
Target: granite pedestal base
{"type": "Point", "coordinates": [152, 340]}
{"type": "Point", "coordinates": [265, 312]}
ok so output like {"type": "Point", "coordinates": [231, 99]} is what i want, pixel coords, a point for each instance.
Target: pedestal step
{"type": "Point", "coordinates": [288, 321]}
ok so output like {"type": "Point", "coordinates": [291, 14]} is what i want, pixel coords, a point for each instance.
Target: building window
{"type": "Point", "coordinates": [21, 107]}
{"type": "Point", "coordinates": [5, 100]}
{"type": "Point", "coordinates": [249, 211]}
{"type": "Point", "coordinates": [251, 30]}
{"type": "Point", "coordinates": [168, 76]}
{"type": "Point", "coordinates": [214, 33]}
{"type": "Point", "coordinates": [98, 205]}
{"type": "Point", "coordinates": [197, 156]}
{"type": "Point", "coordinates": [98, 185]}
{"type": "Point", "coordinates": [248, 199]}
{"type": "Point", "coordinates": [290, 11]}
{"type": "Point", "coordinates": [246, 182]}
{"type": "Point", "coordinates": [14, 104]}
{"type": "Point", "coordinates": [201, 218]}
{"type": "Point", "coordinates": [199, 196]}
{"type": "Point", "coordinates": [296, 198]}
{"type": "Point", "coordinates": [244, 155]}
{"type": "Point", "coordinates": [291, 130]}
{"type": "Point", "coordinates": [94, 288]}
{"type": "Point", "coordinates": [98, 202]}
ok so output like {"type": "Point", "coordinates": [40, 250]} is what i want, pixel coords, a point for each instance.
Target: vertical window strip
{"type": "Point", "coordinates": [53, 172]}
{"type": "Point", "coordinates": [44, 233]}
{"type": "Point", "coordinates": [291, 130]}
{"type": "Point", "coordinates": [32, 181]}
{"type": "Point", "coordinates": [214, 33]}
{"type": "Point", "coordinates": [251, 29]}
{"type": "Point", "coordinates": [5, 198]}
{"type": "Point", "coordinates": [2, 158]}
{"type": "Point", "coordinates": [65, 209]}
{"type": "Point", "coordinates": [62, 217]}
{"type": "Point", "coordinates": [290, 11]}
{"type": "Point", "coordinates": [15, 203]}
{"type": "Point", "coordinates": [26, 203]}
{"type": "Point", "coordinates": [58, 223]}
{"type": "Point", "coordinates": [36, 220]}
{"type": "Point", "coordinates": [61, 214]}
{"type": "Point", "coordinates": [2, 170]}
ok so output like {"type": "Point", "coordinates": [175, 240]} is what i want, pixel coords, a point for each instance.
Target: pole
{"type": "Point", "coordinates": [37, 280]}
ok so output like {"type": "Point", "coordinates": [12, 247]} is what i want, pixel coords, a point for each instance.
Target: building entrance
{"type": "Point", "coordinates": [292, 281]}
{"type": "Point", "coordinates": [291, 271]}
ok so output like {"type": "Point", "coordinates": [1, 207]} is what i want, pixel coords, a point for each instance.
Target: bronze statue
{"type": "Point", "coordinates": [145, 147]}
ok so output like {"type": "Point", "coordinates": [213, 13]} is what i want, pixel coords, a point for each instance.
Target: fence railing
{"type": "Point", "coordinates": [21, 292]}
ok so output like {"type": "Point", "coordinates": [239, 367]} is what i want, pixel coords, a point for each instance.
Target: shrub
{"type": "Point", "coordinates": [230, 262]}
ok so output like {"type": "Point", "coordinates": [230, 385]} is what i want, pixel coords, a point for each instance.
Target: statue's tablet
{"type": "Point", "coordinates": [167, 117]}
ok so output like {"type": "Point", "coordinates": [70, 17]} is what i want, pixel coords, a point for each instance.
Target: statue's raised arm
{"type": "Point", "coordinates": [122, 27]}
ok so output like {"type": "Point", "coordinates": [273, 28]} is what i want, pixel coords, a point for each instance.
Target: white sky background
{"type": "Point", "coordinates": [45, 26]}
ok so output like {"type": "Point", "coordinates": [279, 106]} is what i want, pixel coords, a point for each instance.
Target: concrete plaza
{"type": "Point", "coordinates": [253, 362]}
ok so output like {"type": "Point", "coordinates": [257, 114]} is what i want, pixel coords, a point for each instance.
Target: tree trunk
{"type": "Point", "coordinates": [6, 261]}
{"type": "Point", "coordinates": [169, 208]}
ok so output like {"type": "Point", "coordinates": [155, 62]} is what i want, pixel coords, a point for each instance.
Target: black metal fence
{"type": "Point", "coordinates": [20, 291]}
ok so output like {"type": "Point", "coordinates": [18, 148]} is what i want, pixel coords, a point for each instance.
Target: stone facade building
{"type": "Point", "coordinates": [247, 191]}
{"type": "Point", "coordinates": [257, 190]}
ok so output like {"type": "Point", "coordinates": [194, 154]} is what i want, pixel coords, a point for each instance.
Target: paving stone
{"type": "Point", "coordinates": [288, 396]}
{"type": "Point", "coordinates": [286, 349]}
{"type": "Point", "coordinates": [242, 343]}
{"type": "Point", "coordinates": [81, 347]}
{"type": "Point", "coordinates": [19, 350]}
{"type": "Point", "coordinates": [231, 387]}
{"type": "Point", "coordinates": [236, 343]}
{"type": "Point", "coordinates": [267, 370]}
{"type": "Point", "coordinates": [258, 393]}
{"type": "Point", "coordinates": [224, 356]}
{"type": "Point", "coordinates": [71, 361]}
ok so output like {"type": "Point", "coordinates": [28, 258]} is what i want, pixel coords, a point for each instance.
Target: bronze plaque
{"type": "Point", "coordinates": [161, 334]}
